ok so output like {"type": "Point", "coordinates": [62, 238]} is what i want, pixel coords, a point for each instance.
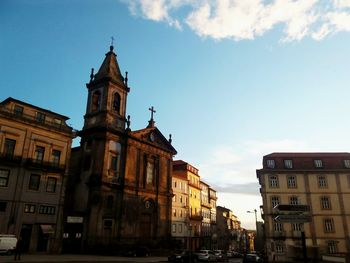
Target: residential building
{"type": "Point", "coordinates": [35, 146]}
{"type": "Point", "coordinates": [179, 218]}
{"type": "Point", "coordinates": [228, 229]}
{"type": "Point", "coordinates": [120, 192]}
{"type": "Point", "coordinates": [194, 200]}
{"type": "Point", "coordinates": [321, 181]}
{"type": "Point", "coordinates": [206, 209]}
{"type": "Point", "coordinates": [213, 226]}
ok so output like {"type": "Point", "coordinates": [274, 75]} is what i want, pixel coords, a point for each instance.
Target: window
{"type": "Point", "coordinates": [4, 178]}
{"type": "Point", "coordinates": [29, 208]}
{"type": "Point", "coordinates": [347, 163]}
{"type": "Point", "coordinates": [174, 212]}
{"type": "Point", "coordinates": [56, 155]}
{"type": "Point", "coordinates": [150, 171]}
{"type": "Point", "coordinates": [96, 100]}
{"type": "Point", "coordinates": [107, 223]}
{"type": "Point", "coordinates": [297, 226]}
{"type": "Point", "coordinates": [318, 163]}
{"type": "Point", "coordinates": [47, 210]}
{"type": "Point", "coordinates": [325, 202]}
{"type": "Point", "coordinates": [174, 183]}
{"type": "Point", "coordinates": [114, 163]}
{"type": "Point", "coordinates": [3, 206]}
{"type": "Point", "coordinates": [39, 154]}
{"type": "Point", "coordinates": [294, 200]}
{"type": "Point", "coordinates": [57, 122]}
{"type": "Point", "coordinates": [273, 181]}
{"type": "Point", "coordinates": [332, 247]}
{"type": "Point", "coordinates": [278, 227]}
{"type": "Point", "coordinates": [18, 110]}
{"type": "Point", "coordinates": [275, 200]}
{"type": "Point", "coordinates": [328, 225]}
{"type": "Point", "coordinates": [322, 181]}
{"type": "Point", "coordinates": [51, 184]}
{"type": "Point", "coordinates": [279, 248]}
{"type": "Point", "coordinates": [270, 164]}
{"type": "Point", "coordinates": [40, 117]}
{"type": "Point", "coordinates": [34, 182]}
{"type": "Point", "coordinates": [292, 181]}
{"type": "Point", "coordinates": [173, 226]}
{"type": "Point", "coordinates": [288, 164]}
{"type": "Point", "coordinates": [180, 228]}
{"type": "Point", "coordinates": [9, 147]}
{"type": "Point", "coordinates": [116, 102]}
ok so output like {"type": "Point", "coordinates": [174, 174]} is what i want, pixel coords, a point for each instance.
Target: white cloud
{"type": "Point", "coordinates": [249, 19]}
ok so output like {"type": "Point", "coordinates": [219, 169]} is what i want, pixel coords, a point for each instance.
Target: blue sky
{"type": "Point", "coordinates": [230, 80]}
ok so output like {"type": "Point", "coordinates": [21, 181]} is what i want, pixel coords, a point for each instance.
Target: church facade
{"type": "Point", "coordinates": [119, 191]}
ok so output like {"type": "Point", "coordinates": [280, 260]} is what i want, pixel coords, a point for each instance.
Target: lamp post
{"type": "Point", "coordinates": [256, 227]}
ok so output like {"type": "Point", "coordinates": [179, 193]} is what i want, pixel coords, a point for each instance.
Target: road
{"type": "Point", "coordinates": [89, 259]}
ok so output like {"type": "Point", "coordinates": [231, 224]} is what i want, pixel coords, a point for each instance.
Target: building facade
{"type": "Point", "coordinates": [228, 229]}
{"type": "Point", "coordinates": [179, 219]}
{"type": "Point", "coordinates": [213, 225]}
{"type": "Point", "coordinates": [206, 209]}
{"type": "Point", "coordinates": [120, 189]}
{"type": "Point", "coordinates": [320, 181]}
{"type": "Point", "coordinates": [35, 146]}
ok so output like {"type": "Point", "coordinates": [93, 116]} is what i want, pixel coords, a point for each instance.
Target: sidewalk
{"type": "Point", "coordinates": [80, 258]}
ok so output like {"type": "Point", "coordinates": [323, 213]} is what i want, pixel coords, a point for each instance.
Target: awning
{"type": "Point", "coordinates": [47, 229]}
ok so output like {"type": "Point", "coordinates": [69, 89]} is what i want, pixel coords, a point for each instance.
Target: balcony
{"type": "Point", "coordinates": [45, 166]}
{"type": "Point", "coordinates": [197, 217]}
{"type": "Point", "coordinates": [195, 185]}
{"type": "Point", "coordinates": [206, 204]}
{"type": "Point", "coordinates": [10, 159]}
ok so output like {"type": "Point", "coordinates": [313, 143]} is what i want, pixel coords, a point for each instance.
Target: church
{"type": "Point", "coordinates": [119, 190]}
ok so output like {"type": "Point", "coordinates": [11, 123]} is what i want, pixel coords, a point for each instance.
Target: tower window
{"type": "Point", "coordinates": [96, 101]}
{"type": "Point", "coordinates": [116, 102]}
{"type": "Point", "coordinates": [18, 110]}
{"type": "Point", "coordinates": [40, 117]}
{"type": "Point", "coordinates": [347, 163]}
{"type": "Point", "coordinates": [318, 163]}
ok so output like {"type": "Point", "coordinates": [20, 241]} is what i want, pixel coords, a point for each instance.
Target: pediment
{"type": "Point", "coordinates": [154, 137]}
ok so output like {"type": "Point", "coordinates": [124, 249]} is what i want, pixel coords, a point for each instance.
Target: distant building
{"type": "Point", "coordinates": [228, 229]}
{"type": "Point", "coordinates": [319, 180]}
{"type": "Point", "coordinates": [179, 216]}
{"type": "Point", "coordinates": [206, 209]}
{"type": "Point", "coordinates": [120, 190]}
{"type": "Point", "coordinates": [194, 220]}
{"type": "Point", "coordinates": [213, 225]}
{"type": "Point", "coordinates": [35, 146]}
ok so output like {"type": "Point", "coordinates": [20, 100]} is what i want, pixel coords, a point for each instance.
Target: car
{"type": "Point", "coordinates": [250, 258]}
{"type": "Point", "coordinates": [234, 254]}
{"type": "Point", "coordinates": [206, 255]}
{"type": "Point", "coordinates": [185, 256]}
{"type": "Point", "coordinates": [7, 244]}
{"type": "Point", "coordinates": [220, 255]}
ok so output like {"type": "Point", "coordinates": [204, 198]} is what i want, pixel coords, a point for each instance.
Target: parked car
{"type": "Point", "coordinates": [137, 251]}
{"type": "Point", "coordinates": [220, 255]}
{"type": "Point", "coordinates": [206, 255]}
{"type": "Point", "coordinates": [250, 258]}
{"type": "Point", "coordinates": [7, 243]}
{"type": "Point", "coordinates": [183, 257]}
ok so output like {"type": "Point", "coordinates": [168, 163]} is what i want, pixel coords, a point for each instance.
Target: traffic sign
{"type": "Point", "coordinates": [293, 218]}
{"type": "Point", "coordinates": [292, 208]}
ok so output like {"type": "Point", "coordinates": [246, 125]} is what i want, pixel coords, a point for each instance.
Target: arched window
{"type": "Point", "coordinates": [116, 102]}
{"type": "Point", "coordinates": [96, 100]}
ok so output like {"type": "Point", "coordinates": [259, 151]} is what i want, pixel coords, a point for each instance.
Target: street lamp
{"type": "Point", "coordinates": [256, 219]}
{"type": "Point", "coordinates": [256, 227]}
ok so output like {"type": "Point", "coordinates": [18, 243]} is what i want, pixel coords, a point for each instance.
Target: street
{"type": "Point", "coordinates": [88, 258]}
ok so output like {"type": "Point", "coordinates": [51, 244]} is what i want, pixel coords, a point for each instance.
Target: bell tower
{"type": "Point", "coordinates": [107, 96]}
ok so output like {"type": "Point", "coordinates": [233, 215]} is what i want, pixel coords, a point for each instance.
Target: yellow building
{"type": "Point", "coordinates": [179, 225]}
{"type": "Point", "coordinates": [35, 145]}
{"type": "Point", "coordinates": [322, 182]}
{"type": "Point", "coordinates": [194, 200]}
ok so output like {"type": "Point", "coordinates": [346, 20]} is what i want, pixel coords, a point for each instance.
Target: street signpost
{"type": "Point", "coordinates": [294, 214]}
